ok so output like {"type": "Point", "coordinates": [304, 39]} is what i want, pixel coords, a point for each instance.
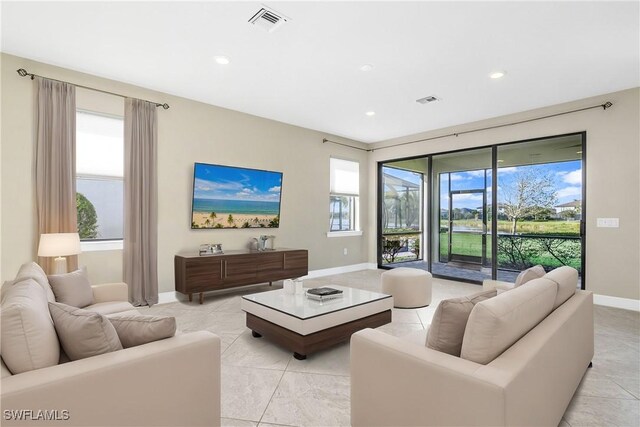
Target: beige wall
{"type": "Point", "coordinates": [192, 131]}
{"type": "Point", "coordinates": [188, 132]}
{"type": "Point", "coordinates": [612, 184]}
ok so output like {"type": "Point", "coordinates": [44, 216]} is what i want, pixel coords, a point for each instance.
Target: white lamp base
{"type": "Point", "coordinates": [60, 265]}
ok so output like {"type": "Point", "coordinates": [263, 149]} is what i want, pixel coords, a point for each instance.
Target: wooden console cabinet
{"type": "Point", "coordinates": [198, 274]}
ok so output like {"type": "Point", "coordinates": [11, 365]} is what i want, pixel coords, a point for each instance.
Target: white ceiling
{"type": "Point", "coordinates": [307, 72]}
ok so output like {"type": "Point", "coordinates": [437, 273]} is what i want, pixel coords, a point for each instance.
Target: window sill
{"type": "Point", "coordinates": [103, 245]}
{"type": "Point", "coordinates": [344, 233]}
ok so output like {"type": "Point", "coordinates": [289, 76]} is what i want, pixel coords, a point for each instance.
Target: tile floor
{"type": "Point", "coordinates": [263, 385]}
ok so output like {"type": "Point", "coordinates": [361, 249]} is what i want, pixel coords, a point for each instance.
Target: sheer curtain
{"type": "Point", "coordinates": [56, 162]}
{"type": "Point", "coordinates": [140, 201]}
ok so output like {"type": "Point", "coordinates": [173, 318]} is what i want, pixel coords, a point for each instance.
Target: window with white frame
{"type": "Point", "coordinates": [99, 176]}
{"type": "Point", "coordinates": [344, 194]}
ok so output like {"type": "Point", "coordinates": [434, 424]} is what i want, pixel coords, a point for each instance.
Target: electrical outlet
{"type": "Point", "coordinates": [608, 222]}
{"type": "Point", "coordinates": [345, 251]}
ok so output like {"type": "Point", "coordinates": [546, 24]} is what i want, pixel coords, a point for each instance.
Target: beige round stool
{"type": "Point", "coordinates": [410, 287]}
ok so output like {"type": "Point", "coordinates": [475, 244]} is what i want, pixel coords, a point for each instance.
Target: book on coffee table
{"type": "Point", "coordinates": [323, 294]}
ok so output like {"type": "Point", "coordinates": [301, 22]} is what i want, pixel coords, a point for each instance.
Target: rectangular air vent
{"type": "Point", "coordinates": [268, 19]}
{"type": "Point", "coordinates": [428, 99]}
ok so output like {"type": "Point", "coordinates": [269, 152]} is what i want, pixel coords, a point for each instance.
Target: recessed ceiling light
{"type": "Point", "coordinates": [221, 59]}
{"type": "Point", "coordinates": [366, 67]}
{"type": "Point", "coordinates": [497, 74]}
{"type": "Point", "coordinates": [370, 113]}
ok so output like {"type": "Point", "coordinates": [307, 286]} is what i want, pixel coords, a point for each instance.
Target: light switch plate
{"type": "Point", "coordinates": [608, 222]}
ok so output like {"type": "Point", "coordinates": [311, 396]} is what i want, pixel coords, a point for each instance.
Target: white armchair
{"type": "Point", "coordinates": [489, 285]}
{"type": "Point", "coordinates": [110, 298]}
{"type": "Point", "coordinates": [107, 292]}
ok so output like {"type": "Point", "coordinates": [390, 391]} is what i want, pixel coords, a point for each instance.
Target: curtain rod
{"type": "Point", "coordinates": [23, 73]}
{"type": "Point", "coordinates": [325, 140]}
{"type": "Point", "coordinates": [604, 106]}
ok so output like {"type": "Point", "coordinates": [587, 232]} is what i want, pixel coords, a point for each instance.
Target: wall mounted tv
{"type": "Point", "coordinates": [232, 197]}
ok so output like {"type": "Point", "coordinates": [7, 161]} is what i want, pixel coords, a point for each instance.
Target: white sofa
{"type": "Point", "coordinates": [171, 382]}
{"type": "Point", "coordinates": [399, 383]}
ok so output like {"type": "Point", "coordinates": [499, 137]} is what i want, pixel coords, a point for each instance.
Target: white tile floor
{"type": "Point", "coordinates": [263, 385]}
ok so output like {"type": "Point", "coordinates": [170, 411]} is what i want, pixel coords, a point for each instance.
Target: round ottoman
{"type": "Point", "coordinates": [410, 287]}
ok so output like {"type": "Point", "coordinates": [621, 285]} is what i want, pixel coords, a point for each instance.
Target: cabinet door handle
{"type": "Point", "coordinates": [225, 268]}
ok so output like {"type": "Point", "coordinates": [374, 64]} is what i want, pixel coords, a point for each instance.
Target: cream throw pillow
{"type": "Point", "coordinates": [496, 324]}
{"type": "Point", "coordinates": [83, 333]}
{"type": "Point", "coordinates": [31, 270]}
{"type": "Point", "coordinates": [449, 322]}
{"type": "Point", "coordinates": [28, 338]}
{"type": "Point", "coordinates": [136, 329]}
{"type": "Point", "coordinates": [72, 288]}
{"type": "Point", "coordinates": [567, 280]}
{"type": "Point", "coordinates": [535, 272]}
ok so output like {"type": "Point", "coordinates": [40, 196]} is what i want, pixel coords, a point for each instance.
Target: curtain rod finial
{"type": "Point", "coordinates": [607, 105]}
{"type": "Point", "coordinates": [22, 72]}
{"type": "Point", "coordinates": [165, 106]}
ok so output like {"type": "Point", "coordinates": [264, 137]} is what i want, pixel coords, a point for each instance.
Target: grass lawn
{"type": "Point", "coordinates": [527, 227]}
{"type": "Point", "coordinates": [471, 244]}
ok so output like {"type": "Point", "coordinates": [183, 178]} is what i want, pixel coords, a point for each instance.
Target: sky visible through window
{"type": "Point", "coordinates": [567, 178]}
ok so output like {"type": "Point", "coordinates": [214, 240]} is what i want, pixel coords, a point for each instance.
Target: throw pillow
{"type": "Point", "coordinates": [31, 270]}
{"type": "Point", "coordinates": [535, 272]}
{"type": "Point", "coordinates": [450, 320]}
{"type": "Point", "coordinates": [135, 329]}
{"type": "Point", "coordinates": [496, 324]}
{"type": "Point", "coordinates": [27, 335]}
{"type": "Point", "coordinates": [72, 288]}
{"type": "Point", "coordinates": [83, 333]}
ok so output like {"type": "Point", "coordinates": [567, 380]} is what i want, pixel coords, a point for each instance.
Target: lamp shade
{"type": "Point", "coordinates": [59, 244]}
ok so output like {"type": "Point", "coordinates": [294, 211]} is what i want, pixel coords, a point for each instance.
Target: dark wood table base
{"type": "Point", "coordinates": [302, 345]}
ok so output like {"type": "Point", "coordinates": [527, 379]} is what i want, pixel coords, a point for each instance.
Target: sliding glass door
{"type": "Point", "coordinates": [402, 214]}
{"type": "Point", "coordinates": [492, 211]}
{"type": "Point", "coordinates": [461, 199]}
{"type": "Point", "coordinates": [540, 198]}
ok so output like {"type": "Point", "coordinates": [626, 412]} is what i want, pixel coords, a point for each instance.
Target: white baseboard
{"type": "Point", "coordinates": [339, 270]}
{"type": "Point", "coordinates": [167, 297]}
{"type": "Point", "coordinates": [616, 302]}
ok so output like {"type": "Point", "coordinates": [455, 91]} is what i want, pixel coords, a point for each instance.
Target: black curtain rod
{"type": "Point", "coordinates": [604, 106]}
{"type": "Point", "coordinates": [23, 73]}
{"type": "Point", "coordinates": [325, 140]}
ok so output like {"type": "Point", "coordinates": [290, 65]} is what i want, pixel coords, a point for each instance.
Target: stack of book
{"type": "Point", "coordinates": [323, 294]}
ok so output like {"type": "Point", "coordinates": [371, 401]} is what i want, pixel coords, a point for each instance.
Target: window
{"type": "Point", "coordinates": [99, 176]}
{"type": "Point", "coordinates": [343, 200]}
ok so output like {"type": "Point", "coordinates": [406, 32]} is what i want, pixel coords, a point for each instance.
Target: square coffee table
{"type": "Point", "coordinates": [304, 326]}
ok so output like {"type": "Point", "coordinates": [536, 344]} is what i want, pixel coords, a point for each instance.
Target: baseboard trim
{"type": "Point", "coordinates": [616, 302]}
{"type": "Point", "coordinates": [339, 270]}
{"type": "Point", "coordinates": [169, 297]}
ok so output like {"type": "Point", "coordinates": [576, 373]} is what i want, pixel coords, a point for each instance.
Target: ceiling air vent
{"type": "Point", "coordinates": [268, 19]}
{"type": "Point", "coordinates": [428, 99]}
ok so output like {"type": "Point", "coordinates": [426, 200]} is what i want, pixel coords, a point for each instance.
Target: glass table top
{"type": "Point", "coordinates": [298, 305]}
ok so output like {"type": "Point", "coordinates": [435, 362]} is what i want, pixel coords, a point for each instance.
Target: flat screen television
{"type": "Point", "coordinates": [232, 197]}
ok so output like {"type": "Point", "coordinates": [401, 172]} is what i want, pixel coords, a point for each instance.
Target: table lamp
{"type": "Point", "coordinates": [59, 245]}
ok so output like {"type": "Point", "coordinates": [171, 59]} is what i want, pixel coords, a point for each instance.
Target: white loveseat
{"type": "Point", "coordinates": [399, 383]}
{"type": "Point", "coordinates": [171, 382]}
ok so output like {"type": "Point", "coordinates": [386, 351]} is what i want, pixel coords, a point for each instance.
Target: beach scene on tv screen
{"type": "Point", "coordinates": [231, 197]}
